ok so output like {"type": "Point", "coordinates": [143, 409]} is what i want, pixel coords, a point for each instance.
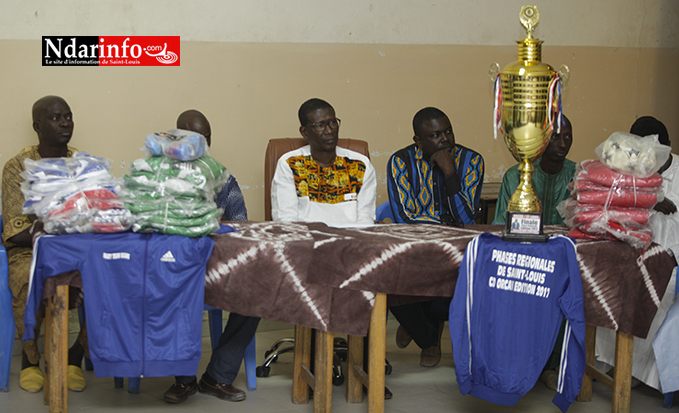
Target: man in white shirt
{"type": "Point", "coordinates": [665, 226]}
{"type": "Point", "coordinates": [321, 182]}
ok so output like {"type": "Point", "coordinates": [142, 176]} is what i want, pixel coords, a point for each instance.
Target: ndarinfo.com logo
{"type": "Point", "coordinates": [110, 50]}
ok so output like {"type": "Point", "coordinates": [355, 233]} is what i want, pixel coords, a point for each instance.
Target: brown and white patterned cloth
{"type": "Point", "coordinates": [325, 278]}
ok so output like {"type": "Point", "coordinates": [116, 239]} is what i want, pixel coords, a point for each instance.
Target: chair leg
{"type": "Point", "coordinates": [251, 365]}
{"type": "Point", "coordinates": [668, 400]}
{"type": "Point", "coordinates": [81, 319]}
{"type": "Point", "coordinates": [133, 385]}
{"type": "Point", "coordinates": [7, 334]}
{"type": "Point", "coordinates": [7, 328]}
{"type": "Point", "coordinates": [215, 323]}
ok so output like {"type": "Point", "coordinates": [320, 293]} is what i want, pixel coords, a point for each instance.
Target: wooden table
{"type": "Point", "coordinates": [336, 280]}
{"type": "Point", "coordinates": [617, 281]}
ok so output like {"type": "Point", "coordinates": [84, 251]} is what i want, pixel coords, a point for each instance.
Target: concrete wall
{"type": "Point", "coordinates": [249, 64]}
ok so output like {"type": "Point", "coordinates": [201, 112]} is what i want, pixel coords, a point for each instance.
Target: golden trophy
{"type": "Point", "coordinates": [527, 110]}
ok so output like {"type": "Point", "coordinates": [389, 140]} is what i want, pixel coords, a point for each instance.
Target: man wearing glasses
{"type": "Point", "coordinates": [322, 182]}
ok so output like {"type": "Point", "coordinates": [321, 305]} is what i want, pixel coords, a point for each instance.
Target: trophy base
{"type": "Point", "coordinates": [523, 227]}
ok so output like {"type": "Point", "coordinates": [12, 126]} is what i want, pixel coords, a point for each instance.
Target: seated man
{"type": "Point", "coordinates": [322, 182]}
{"type": "Point", "coordinates": [665, 226]}
{"type": "Point", "coordinates": [434, 181]}
{"type": "Point", "coordinates": [553, 172]}
{"type": "Point", "coordinates": [239, 331]}
{"type": "Point", "coordinates": [53, 122]}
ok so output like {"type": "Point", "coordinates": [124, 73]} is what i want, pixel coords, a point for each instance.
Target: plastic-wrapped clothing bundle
{"type": "Point", "coordinates": [595, 171]}
{"type": "Point", "coordinates": [616, 196]}
{"type": "Point", "coordinates": [607, 204]}
{"type": "Point", "coordinates": [638, 237]}
{"type": "Point", "coordinates": [580, 214]}
{"type": "Point", "coordinates": [613, 197]}
{"type": "Point", "coordinates": [633, 155]}
{"type": "Point", "coordinates": [74, 195]}
{"type": "Point", "coordinates": [160, 175]}
{"type": "Point", "coordinates": [177, 144]}
{"type": "Point", "coordinates": [175, 197]}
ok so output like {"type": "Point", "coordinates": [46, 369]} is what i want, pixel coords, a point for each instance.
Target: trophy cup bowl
{"type": "Point", "coordinates": [525, 96]}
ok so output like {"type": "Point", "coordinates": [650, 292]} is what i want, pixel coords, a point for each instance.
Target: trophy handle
{"type": "Point", "coordinates": [565, 75]}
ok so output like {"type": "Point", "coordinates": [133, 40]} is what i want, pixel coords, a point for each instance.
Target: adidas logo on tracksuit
{"type": "Point", "coordinates": [167, 257]}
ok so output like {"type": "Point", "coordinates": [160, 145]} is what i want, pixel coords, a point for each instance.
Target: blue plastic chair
{"type": "Point", "coordinates": [7, 328]}
{"type": "Point", "coordinates": [216, 329]}
{"type": "Point", "coordinates": [383, 212]}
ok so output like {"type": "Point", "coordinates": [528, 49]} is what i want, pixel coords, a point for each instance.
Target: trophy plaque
{"type": "Point", "coordinates": [527, 109]}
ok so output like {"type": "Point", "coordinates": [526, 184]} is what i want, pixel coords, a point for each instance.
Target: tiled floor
{"type": "Point", "coordinates": [415, 388]}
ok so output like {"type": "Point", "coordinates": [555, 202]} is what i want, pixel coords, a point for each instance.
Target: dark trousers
{"type": "Point", "coordinates": [421, 320]}
{"type": "Point", "coordinates": [228, 356]}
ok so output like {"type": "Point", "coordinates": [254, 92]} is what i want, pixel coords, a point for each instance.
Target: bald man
{"type": "Point", "coordinates": [239, 331]}
{"type": "Point", "coordinates": [194, 121]}
{"type": "Point", "coordinates": [53, 122]}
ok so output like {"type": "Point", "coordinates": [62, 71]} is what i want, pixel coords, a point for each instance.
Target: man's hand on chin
{"type": "Point", "coordinates": [445, 160]}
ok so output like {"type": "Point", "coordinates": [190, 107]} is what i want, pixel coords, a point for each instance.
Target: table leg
{"type": "Point", "coordinates": [376, 354]}
{"type": "Point", "coordinates": [585, 394]}
{"type": "Point", "coordinates": [355, 370]}
{"type": "Point", "coordinates": [301, 376]}
{"type": "Point", "coordinates": [56, 351]}
{"type": "Point", "coordinates": [622, 379]}
{"type": "Point", "coordinates": [48, 353]}
{"type": "Point", "coordinates": [323, 371]}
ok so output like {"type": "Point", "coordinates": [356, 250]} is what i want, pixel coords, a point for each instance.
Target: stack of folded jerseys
{"type": "Point", "coordinates": [607, 204]}
{"type": "Point", "coordinates": [74, 195]}
{"type": "Point", "coordinates": [174, 196]}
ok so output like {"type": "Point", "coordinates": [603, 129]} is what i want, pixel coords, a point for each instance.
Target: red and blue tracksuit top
{"type": "Point", "coordinates": [509, 303]}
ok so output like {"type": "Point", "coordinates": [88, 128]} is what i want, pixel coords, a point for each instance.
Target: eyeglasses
{"type": "Point", "coordinates": [320, 126]}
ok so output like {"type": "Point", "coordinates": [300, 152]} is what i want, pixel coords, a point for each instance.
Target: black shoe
{"type": "Point", "coordinates": [387, 393]}
{"type": "Point", "coordinates": [179, 392]}
{"type": "Point", "coordinates": [221, 390]}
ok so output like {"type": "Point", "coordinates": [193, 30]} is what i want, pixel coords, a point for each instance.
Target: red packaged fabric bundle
{"type": "Point", "coordinates": [596, 171]}
{"type": "Point", "coordinates": [633, 217]}
{"type": "Point", "coordinates": [639, 237]}
{"type": "Point", "coordinates": [607, 204]}
{"type": "Point", "coordinates": [101, 199]}
{"type": "Point", "coordinates": [618, 197]}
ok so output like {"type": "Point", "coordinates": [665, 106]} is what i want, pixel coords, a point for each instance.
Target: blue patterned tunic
{"type": "Point", "coordinates": [419, 193]}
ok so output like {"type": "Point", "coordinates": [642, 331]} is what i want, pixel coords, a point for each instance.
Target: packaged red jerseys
{"type": "Point", "coordinates": [638, 237]}
{"type": "Point", "coordinates": [596, 171]}
{"type": "Point", "coordinates": [619, 197]}
{"type": "Point", "coordinates": [607, 204]}
{"type": "Point", "coordinates": [580, 214]}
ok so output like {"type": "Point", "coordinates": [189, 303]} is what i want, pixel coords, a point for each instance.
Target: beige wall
{"type": "Point", "coordinates": [251, 82]}
{"type": "Point", "coordinates": [611, 23]}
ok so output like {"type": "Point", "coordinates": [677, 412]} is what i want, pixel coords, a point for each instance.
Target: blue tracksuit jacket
{"type": "Point", "coordinates": [143, 298]}
{"type": "Point", "coordinates": [510, 300]}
